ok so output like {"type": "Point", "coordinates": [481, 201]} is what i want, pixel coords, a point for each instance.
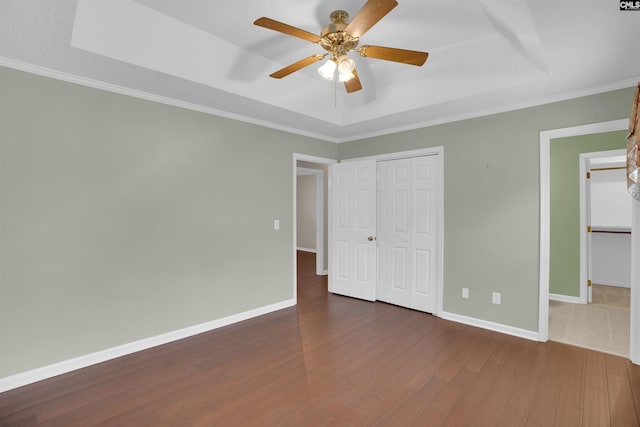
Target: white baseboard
{"type": "Point", "coordinates": [313, 251]}
{"type": "Point", "coordinates": [565, 298]}
{"type": "Point", "coordinates": [611, 283]}
{"type": "Point", "coordinates": [492, 326]}
{"type": "Point", "coordinates": [38, 374]}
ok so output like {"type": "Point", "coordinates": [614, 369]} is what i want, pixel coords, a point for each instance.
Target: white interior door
{"type": "Point", "coordinates": [353, 229]}
{"type": "Point", "coordinates": [408, 232]}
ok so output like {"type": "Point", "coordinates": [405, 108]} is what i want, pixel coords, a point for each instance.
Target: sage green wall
{"type": "Point", "coordinates": [564, 246]}
{"type": "Point", "coordinates": [122, 219]}
{"type": "Point", "coordinates": [491, 199]}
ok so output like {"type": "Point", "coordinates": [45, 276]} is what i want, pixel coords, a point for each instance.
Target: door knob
{"type": "Point", "coordinates": [371, 238]}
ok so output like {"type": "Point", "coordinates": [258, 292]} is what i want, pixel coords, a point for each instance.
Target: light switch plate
{"type": "Point", "coordinates": [465, 293]}
{"type": "Point", "coordinates": [276, 224]}
{"type": "Point", "coordinates": [495, 298]}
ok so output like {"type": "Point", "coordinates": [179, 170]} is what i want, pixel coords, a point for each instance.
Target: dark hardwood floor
{"type": "Point", "coordinates": [336, 361]}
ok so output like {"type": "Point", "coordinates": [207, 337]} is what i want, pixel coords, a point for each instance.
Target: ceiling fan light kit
{"type": "Point", "coordinates": [345, 66]}
{"type": "Point", "coordinates": [339, 38]}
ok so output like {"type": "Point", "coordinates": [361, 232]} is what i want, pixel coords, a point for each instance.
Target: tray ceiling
{"type": "Point", "coordinates": [485, 56]}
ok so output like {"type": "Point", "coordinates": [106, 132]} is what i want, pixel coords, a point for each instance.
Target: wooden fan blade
{"type": "Point", "coordinates": [296, 66]}
{"type": "Point", "coordinates": [411, 57]}
{"type": "Point", "coordinates": [274, 25]}
{"type": "Point", "coordinates": [369, 15]}
{"type": "Point", "coordinates": [354, 84]}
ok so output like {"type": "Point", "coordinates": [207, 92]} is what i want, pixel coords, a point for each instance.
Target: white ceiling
{"type": "Point", "coordinates": [486, 56]}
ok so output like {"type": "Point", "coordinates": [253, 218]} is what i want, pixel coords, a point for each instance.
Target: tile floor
{"type": "Point", "coordinates": [602, 325]}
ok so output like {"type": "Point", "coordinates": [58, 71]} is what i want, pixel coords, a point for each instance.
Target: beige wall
{"type": "Point", "coordinates": [492, 199]}
{"type": "Point", "coordinates": [306, 212]}
{"type": "Point", "coordinates": [123, 219]}
{"type": "Point", "coordinates": [325, 170]}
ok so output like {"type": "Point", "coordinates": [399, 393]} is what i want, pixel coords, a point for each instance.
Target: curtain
{"type": "Point", "coordinates": [633, 147]}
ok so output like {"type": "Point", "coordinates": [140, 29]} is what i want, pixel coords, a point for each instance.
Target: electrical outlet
{"type": "Point", "coordinates": [276, 224]}
{"type": "Point", "coordinates": [465, 293]}
{"type": "Point", "coordinates": [495, 298]}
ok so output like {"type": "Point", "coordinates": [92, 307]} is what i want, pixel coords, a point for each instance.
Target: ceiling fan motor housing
{"type": "Point", "coordinates": [333, 37]}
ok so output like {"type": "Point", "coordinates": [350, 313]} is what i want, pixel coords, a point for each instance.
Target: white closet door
{"type": "Point", "coordinates": [425, 239]}
{"type": "Point", "coordinates": [408, 232]}
{"type": "Point", "coordinates": [353, 229]}
{"type": "Point", "coordinates": [381, 230]}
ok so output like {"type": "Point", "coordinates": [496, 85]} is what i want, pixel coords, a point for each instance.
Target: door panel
{"type": "Point", "coordinates": [423, 217]}
{"type": "Point", "coordinates": [362, 263]}
{"type": "Point", "coordinates": [381, 230]}
{"type": "Point", "coordinates": [400, 211]}
{"type": "Point", "coordinates": [422, 263]}
{"type": "Point", "coordinates": [424, 239]}
{"type": "Point", "coordinates": [342, 257]}
{"type": "Point", "coordinates": [353, 195]}
{"type": "Point", "coordinates": [399, 278]}
{"type": "Point", "coordinates": [399, 238]}
{"type": "Point", "coordinates": [407, 232]}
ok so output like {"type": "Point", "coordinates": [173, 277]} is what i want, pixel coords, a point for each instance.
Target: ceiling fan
{"type": "Point", "coordinates": [339, 38]}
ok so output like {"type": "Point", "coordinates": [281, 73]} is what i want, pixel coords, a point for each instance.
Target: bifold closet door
{"type": "Point", "coordinates": [408, 232]}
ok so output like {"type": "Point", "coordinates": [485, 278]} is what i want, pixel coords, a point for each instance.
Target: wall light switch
{"type": "Point", "coordinates": [495, 298]}
{"type": "Point", "coordinates": [465, 293]}
{"type": "Point", "coordinates": [276, 224]}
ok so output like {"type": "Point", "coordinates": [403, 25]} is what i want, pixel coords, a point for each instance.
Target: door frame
{"type": "Point", "coordinates": [319, 177]}
{"type": "Point", "coordinates": [585, 258]}
{"type": "Point", "coordinates": [431, 151]}
{"type": "Point", "coordinates": [312, 159]}
{"type": "Point", "coordinates": [545, 211]}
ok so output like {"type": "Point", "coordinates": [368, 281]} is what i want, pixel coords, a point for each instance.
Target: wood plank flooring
{"type": "Point", "coordinates": [336, 361]}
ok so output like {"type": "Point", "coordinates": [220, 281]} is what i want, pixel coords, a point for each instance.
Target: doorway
{"type": "Point", "coordinates": [605, 222]}
{"type": "Point", "coordinates": [545, 234]}
{"type": "Point", "coordinates": [310, 212]}
{"type": "Point", "coordinates": [600, 319]}
{"type": "Point", "coordinates": [316, 169]}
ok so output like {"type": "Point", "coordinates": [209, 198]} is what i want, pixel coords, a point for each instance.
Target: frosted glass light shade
{"type": "Point", "coordinates": [327, 69]}
{"type": "Point", "coordinates": [346, 65]}
{"type": "Point", "coordinates": [343, 77]}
